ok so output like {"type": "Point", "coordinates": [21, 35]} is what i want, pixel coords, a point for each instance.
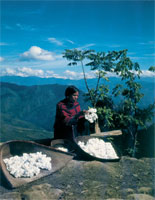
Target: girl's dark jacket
{"type": "Point", "coordinates": [64, 120]}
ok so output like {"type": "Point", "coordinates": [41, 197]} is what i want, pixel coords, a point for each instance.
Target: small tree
{"type": "Point", "coordinates": [100, 62]}
{"type": "Point", "coordinates": [127, 115]}
{"type": "Point", "coordinates": [152, 69]}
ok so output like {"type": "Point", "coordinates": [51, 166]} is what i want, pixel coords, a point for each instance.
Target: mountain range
{"type": "Point", "coordinates": [28, 104]}
{"type": "Point", "coordinates": [147, 83]}
{"type": "Point", "coordinates": [29, 111]}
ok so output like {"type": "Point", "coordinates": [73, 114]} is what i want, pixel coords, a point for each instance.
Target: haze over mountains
{"type": "Point", "coordinates": [28, 104]}
{"type": "Point", "coordinates": [147, 83]}
{"type": "Point", "coordinates": [29, 111]}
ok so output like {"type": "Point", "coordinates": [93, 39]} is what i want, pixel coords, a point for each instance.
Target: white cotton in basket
{"type": "Point", "coordinates": [98, 148]}
{"type": "Point", "coordinates": [28, 165]}
{"type": "Point", "coordinates": [62, 149]}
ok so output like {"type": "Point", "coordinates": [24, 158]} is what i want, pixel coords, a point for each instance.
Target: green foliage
{"type": "Point", "coordinates": [100, 61]}
{"type": "Point", "coordinates": [105, 115]}
{"type": "Point", "coordinates": [127, 115]}
{"type": "Point", "coordinates": [152, 69]}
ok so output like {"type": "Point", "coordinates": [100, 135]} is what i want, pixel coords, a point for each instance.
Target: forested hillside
{"type": "Point", "coordinates": [147, 84]}
{"type": "Point", "coordinates": [29, 111]}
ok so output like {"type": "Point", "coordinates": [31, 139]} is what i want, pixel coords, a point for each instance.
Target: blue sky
{"type": "Point", "coordinates": [35, 33]}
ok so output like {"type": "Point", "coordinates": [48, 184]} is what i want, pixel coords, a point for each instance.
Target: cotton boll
{"type": "Point", "coordinates": [92, 110]}
{"type": "Point", "coordinates": [98, 148]}
{"type": "Point", "coordinates": [91, 115]}
{"type": "Point", "coordinates": [6, 160]}
{"type": "Point", "coordinates": [28, 165]}
{"type": "Point", "coordinates": [62, 149]}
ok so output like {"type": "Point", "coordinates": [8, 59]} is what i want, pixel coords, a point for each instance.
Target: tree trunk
{"type": "Point", "coordinates": [97, 128]}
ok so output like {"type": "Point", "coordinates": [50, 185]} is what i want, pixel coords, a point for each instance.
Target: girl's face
{"type": "Point", "coordinates": [74, 97]}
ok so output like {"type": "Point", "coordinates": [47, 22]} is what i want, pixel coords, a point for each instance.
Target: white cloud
{"type": "Point", "coordinates": [92, 74]}
{"type": "Point", "coordinates": [147, 43]}
{"type": "Point", "coordinates": [147, 73]}
{"type": "Point", "coordinates": [67, 74]}
{"type": "Point", "coordinates": [72, 75]}
{"type": "Point", "coordinates": [22, 71]}
{"type": "Point", "coordinates": [70, 41]}
{"type": "Point", "coordinates": [55, 41]}
{"type": "Point", "coordinates": [86, 46]}
{"type": "Point", "coordinates": [27, 71]}
{"type": "Point", "coordinates": [51, 74]}
{"type": "Point", "coordinates": [30, 72]}
{"type": "Point", "coordinates": [3, 44]}
{"type": "Point", "coordinates": [9, 71]}
{"type": "Point", "coordinates": [79, 75]}
{"type": "Point", "coordinates": [25, 27]}
{"type": "Point", "coordinates": [36, 53]}
{"type": "Point", "coordinates": [1, 58]}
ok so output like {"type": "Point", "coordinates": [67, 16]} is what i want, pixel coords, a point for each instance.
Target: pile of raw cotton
{"type": "Point", "coordinates": [28, 165]}
{"type": "Point", "coordinates": [62, 149]}
{"type": "Point", "coordinates": [98, 148]}
{"type": "Point", "coordinates": [91, 115]}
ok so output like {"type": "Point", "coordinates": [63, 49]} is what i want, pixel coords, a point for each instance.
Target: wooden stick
{"type": "Point", "coordinates": [108, 133]}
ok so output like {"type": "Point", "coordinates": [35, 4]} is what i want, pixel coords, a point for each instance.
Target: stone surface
{"type": "Point", "coordinates": [10, 196]}
{"type": "Point", "coordinates": [42, 192]}
{"type": "Point", "coordinates": [145, 190]}
{"type": "Point", "coordinates": [129, 178]}
{"type": "Point", "coordinates": [140, 197]}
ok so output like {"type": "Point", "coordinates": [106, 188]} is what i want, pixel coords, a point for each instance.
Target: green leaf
{"type": "Point", "coordinates": [152, 69]}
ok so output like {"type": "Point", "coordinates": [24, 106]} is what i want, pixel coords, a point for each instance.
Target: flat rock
{"type": "Point", "coordinates": [10, 196]}
{"type": "Point", "coordinates": [145, 190]}
{"type": "Point", "coordinates": [42, 192]}
{"type": "Point", "coordinates": [140, 197]}
{"type": "Point", "coordinates": [129, 178]}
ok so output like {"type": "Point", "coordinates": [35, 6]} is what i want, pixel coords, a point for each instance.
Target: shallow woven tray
{"type": "Point", "coordinates": [69, 145]}
{"type": "Point", "coordinates": [12, 148]}
{"type": "Point", "coordinates": [87, 156]}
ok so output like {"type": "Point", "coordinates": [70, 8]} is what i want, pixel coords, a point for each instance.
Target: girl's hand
{"type": "Point", "coordinates": [85, 111]}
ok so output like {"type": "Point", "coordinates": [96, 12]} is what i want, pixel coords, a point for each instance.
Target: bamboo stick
{"type": "Point", "coordinates": [108, 133]}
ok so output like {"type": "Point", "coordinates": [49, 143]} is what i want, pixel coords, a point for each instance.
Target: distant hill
{"type": "Point", "coordinates": [33, 80]}
{"type": "Point", "coordinates": [30, 110]}
{"type": "Point", "coordinates": [16, 129]}
{"type": "Point", "coordinates": [147, 83]}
